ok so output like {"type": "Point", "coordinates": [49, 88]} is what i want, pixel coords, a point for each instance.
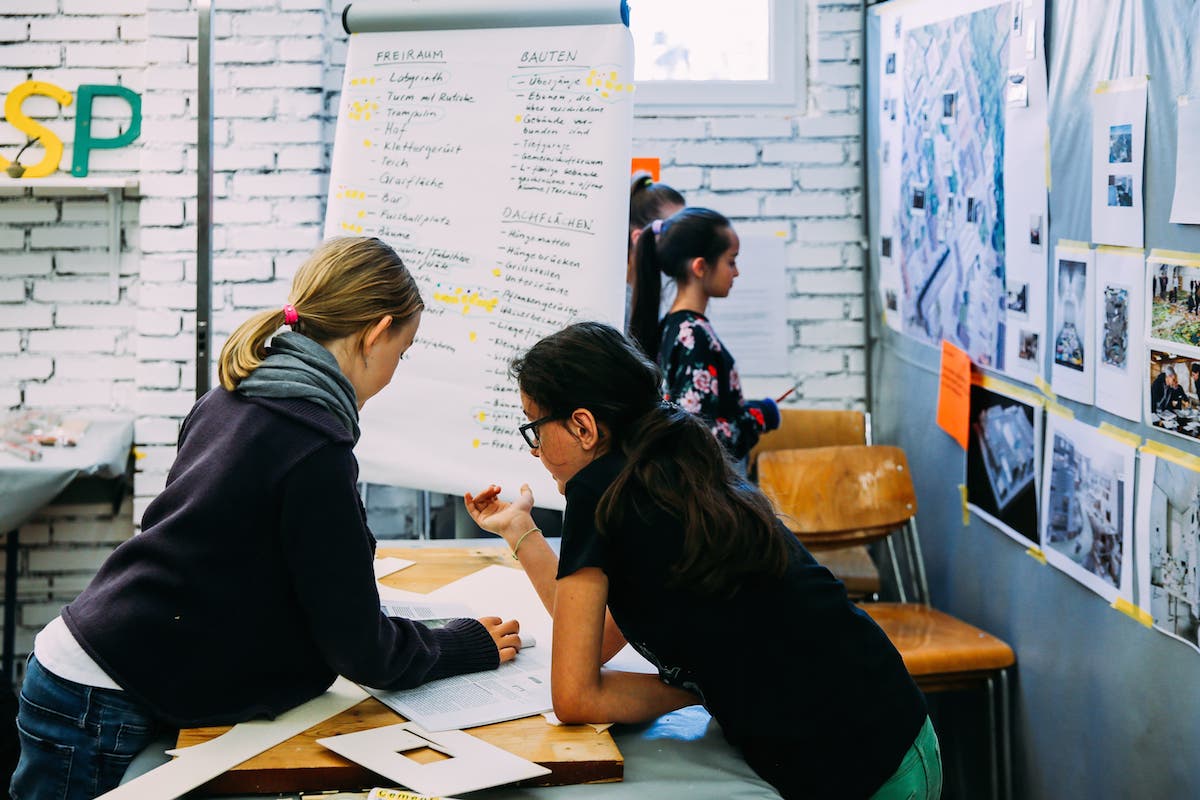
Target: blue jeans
{"type": "Point", "coordinates": [76, 740]}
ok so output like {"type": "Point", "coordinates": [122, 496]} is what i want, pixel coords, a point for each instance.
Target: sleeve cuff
{"type": "Point", "coordinates": [465, 646]}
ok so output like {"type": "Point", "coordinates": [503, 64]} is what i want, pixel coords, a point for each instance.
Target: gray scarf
{"type": "Point", "coordinates": [296, 366]}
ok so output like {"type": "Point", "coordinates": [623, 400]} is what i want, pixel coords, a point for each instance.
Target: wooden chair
{"type": "Point", "coordinates": [811, 427]}
{"type": "Point", "coordinates": [854, 495]}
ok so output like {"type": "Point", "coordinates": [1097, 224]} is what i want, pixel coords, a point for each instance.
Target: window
{"type": "Point", "coordinates": [692, 55]}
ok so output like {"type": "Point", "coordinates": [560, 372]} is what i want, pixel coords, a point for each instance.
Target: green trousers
{"type": "Point", "coordinates": [919, 776]}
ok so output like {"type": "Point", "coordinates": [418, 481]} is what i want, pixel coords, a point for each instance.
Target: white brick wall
{"type": "Point", "coordinates": [64, 338]}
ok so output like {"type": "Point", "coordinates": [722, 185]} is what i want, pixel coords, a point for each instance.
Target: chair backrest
{"type": "Point", "coordinates": [839, 496]}
{"type": "Point", "coordinates": [813, 427]}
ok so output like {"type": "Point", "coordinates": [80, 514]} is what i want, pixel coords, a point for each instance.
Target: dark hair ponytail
{"type": "Point", "coordinates": [647, 199]}
{"type": "Point", "coordinates": [691, 233]}
{"type": "Point", "coordinates": [673, 462]}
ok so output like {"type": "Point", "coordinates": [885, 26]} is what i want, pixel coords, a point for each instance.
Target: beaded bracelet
{"type": "Point", "coordinates": [517, 546]}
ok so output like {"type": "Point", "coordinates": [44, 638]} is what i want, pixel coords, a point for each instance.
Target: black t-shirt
{"type": "Point", "coordinates": [789, 658]}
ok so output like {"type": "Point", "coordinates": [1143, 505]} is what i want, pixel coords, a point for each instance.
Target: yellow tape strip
{"type": "Point", "coordinates": [1011, 389]}
{"type": "Point", "coordinates": [1036, 554]}
{"type": "Point", "coordinates": [1173, 257]}
{"type": "Point", "coordinates": [1073, 244]}
{"type": "Point", "coordinates": [1130, 610]}
{"type": "Point", "coordinates": [1058, 409]}
{"type": "Point", "coordinates": [1120, 434]}
{"type": "Point", "coordinates": [962, 490]}
{"type": "Point", "coordinates": [1183, 99]}
{"type": "Point", "coordinates": [1122, 84]}
{"type": "Point", "coordinates": [1187, 460]}
{"type": "Point", "coordinates": [1044, 387]}
{"type": "Point", "coordinates": [1119, 251]}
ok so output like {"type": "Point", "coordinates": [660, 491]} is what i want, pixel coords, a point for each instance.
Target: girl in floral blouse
{"type": "Point", "coordinates": [697, 248]}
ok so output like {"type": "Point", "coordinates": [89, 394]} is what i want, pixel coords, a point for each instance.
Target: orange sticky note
{"type": "Point", "coordinates": [651, 165]}
{"type": "Point", "coordinates": [954, 393]}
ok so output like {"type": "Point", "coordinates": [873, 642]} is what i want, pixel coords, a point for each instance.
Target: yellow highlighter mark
{"type": "Point", "coordinates": [475, 443]}
{"type": "Point", "coordinates": [473, 336]}
{"type": "Point", "coordinates": [466, 299]}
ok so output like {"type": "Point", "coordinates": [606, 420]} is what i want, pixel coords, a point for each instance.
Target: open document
{"type": "Point", "coordinates": [520, 688]}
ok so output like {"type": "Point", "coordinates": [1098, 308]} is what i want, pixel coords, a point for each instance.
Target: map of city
{"type": "Point", "coordinates": [951, 209]}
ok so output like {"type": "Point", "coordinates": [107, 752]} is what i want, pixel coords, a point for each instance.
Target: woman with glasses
{"type": "Point", "coordinates": [665, 547]}
{"type": "Point", "coordinates": [697, 248]}
{"type": "Point", "coordinates": [250, 588]}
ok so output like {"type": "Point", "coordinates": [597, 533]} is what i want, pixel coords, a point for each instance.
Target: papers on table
{"type": "Point", "coordinates": [519, 688]}
{"type": "Point", "coordinates": [386, 566]}
{"type": "Point", "coordinates": [472, 763]}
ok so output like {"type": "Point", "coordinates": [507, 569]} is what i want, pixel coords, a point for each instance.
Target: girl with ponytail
{"type": "Point", "coordinates": [666, 547]}
{"type": "Point", "coordinates": [220, 611]}
{"type": "Point", "coordinates": [697, 248]}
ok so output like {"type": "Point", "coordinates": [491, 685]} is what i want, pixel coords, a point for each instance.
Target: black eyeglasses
{"type": "Point", "coordinates": [529, 431]}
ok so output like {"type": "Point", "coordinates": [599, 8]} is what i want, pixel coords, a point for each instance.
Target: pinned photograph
{"type": "Point", "coordinates": [1018, 7]}
{"type": "Point", "coordinates": [885, 246]}
{"type": "Point", "coordinates": [889, 67]}
{"type": "Point", "coordinates": [886, 152]}
{"type": "Point", "coordinates": [918, 198]}
{"type": "Point", "coordinates": [972, 209]}
{"type": "Point", "coordinates": [1168, 545]}
{"type": "Point", "coordinates": [1028, 350]}
{"type": "Point", "coordinates": [948, 104]}
{"type": "Point", "coordinates": [1003, 459]}
{"type": "Point", "coordinates": [1120, 191]}
{"type": "Point", "coordinates": [1017, 298]}
{"type": "Point", "coordinates": [1120, 144]}
{"type": "Point", "coordinates": [1174, 303]}
{"type": "Point", "coordinates": [1035, 232]}
{"type": "Point", "coordinates": [1174, 395]}
{"type": "Point", "coordinates": [1087, 513]}
{"type": "Point", "coordinates": [1116, 326]}
{"type": "Point", "coordinates": [1018, 89]}
{"type": "Point", "coordinates": [890, 300]}
{"type": "Point", "coordinates": [1070, 337]}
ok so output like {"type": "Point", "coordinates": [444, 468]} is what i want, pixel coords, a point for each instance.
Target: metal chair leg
{"type": "Point", "coordinates": [919, 564]}
{"type": "Point", "coordinates": [994, 767]}
{"type": "Point", "coordinates": [891, 548]}
{"type": "Point", "coordinates": [1005, 736]}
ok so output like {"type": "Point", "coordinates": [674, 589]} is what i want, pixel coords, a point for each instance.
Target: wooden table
{"type": "Point", "coordinates": [572, 753]}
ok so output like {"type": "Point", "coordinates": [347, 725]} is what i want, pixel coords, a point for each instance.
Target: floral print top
{"type": "Point", "coordinates": [699, 375]}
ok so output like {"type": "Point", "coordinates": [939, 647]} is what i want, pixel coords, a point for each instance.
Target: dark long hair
{"type": "Point", "coordinates": [673, 461]}
{"type": "Point", "coordinates": [691, 233]}
{"type": "Point", "coordinates": [647, 199]}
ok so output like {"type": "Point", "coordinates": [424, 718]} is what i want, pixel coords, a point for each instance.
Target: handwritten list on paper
{"type": "Point", "coordinates": [495, 162]}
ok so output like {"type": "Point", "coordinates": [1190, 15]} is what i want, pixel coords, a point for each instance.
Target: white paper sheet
{"type": "Point", "coordinates": [389, 564]}
{"type": "Point", "coordinates": [1168, 544]}
{"type": "Point", "coordinates": [496, 162]}
{"type": "Point", "coordinates": [1118, 162]}
{"type": "Point", "coordinates": [1185, 207]}
{"type": "Point", "coordinates": [472, 764]}
{"type": "Point", "coordinates": [1072, 347]}
{"type": "Point", "coordinates": [201, 763]}
{"type": "Point", "coordinates": [1118, 341]}
{"type": "Point", "coordinates": [520, 688]}
{"type": "Point", "coordinates": [1087, 506]}
{"type": "Point", "coordinates": [752, 320]}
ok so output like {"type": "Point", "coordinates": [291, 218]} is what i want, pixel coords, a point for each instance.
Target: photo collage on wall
{"type": "Point", "coordinates": [1172, 382]}
{"type": "Point", "coordinates": [1168, 542]}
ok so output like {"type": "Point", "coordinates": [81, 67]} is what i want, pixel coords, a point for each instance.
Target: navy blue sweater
{"type": "Point", "coordinates": [251, 586]}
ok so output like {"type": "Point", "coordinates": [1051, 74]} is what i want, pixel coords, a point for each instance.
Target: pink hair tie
{"type": "Point", "coordinates": [290, 317]}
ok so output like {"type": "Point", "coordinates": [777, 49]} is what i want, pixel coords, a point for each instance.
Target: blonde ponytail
{"type": "Point", "coordinates": [246, 348]}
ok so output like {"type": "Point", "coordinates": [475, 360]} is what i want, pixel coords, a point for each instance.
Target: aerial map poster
{"type": "Point", "coordinates": [961, 165]}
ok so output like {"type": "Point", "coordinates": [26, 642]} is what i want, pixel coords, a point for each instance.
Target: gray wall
{"type": "Point", "coordinates": [1103, 708]}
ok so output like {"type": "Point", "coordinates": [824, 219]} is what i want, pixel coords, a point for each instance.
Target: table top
{"type": "Point", "coordinates": [680, 756]}
{"type": "Point", "coordinates": [572, 753]}
{"type": "Point", "coordinates": [26, 486]}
